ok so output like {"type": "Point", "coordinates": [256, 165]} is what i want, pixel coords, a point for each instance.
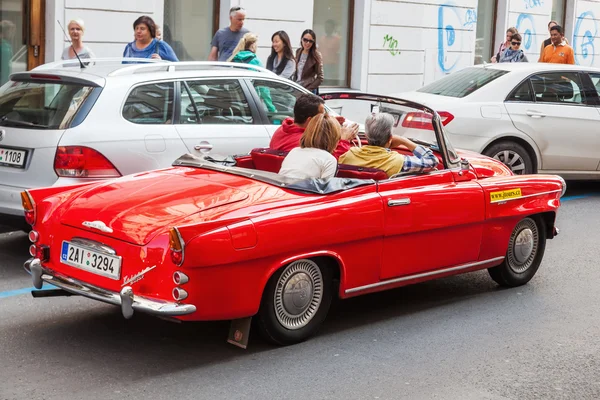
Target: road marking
{"type": "Point", "coordinates": [581, 196]}
{"type": "Point", "coordinates": [18, 292]}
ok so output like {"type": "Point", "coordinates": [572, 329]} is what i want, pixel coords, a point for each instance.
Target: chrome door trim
{"type": "Point", "coordinates": [398, 202]}
{"type": "Point", "coordinates": [423, 275]}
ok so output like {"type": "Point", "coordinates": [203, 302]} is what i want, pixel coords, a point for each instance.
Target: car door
{"type": "Point", "coordinates": [215, 115]}
{"type": "Point", "coordinates": [553, 110]}
{"type": "Point", "coordinates": [431, 221]}
{"type": "Point", "coordinates": [595, 80]}
{"type": "Point", "coordinates": [276, 101]}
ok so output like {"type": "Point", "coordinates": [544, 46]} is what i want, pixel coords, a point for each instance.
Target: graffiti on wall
{"type": "Point", "coordinates": [391, 44]}
{"type": "Point", "coordinates": [451, 18]}
{"type": "Point", "coordinates": [586, 30]}
{"type": "Point", "coordinates": [529, 4]}
{"type": "Point", "coordinates": [526, 27]}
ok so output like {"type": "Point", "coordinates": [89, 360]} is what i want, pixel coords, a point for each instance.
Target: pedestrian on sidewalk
{"type": "Point", "coordinates": [76, 29]}
{"type": "Point", "coordinates": [506, 44]}
{"type": "Point", "coordinates": [558, 51]}
{"type": "Point", "coordinates": [145, 44]}
{"type": "Point", "coordinates": [309, 62]}
{"type": "Point", "coordinates": [549, 40]}
{"type": "Point", "coordinates": [227, 38]}
{"type": "Point", "coordinates": [514, 52]}
{"type": "Point", "coordinates": [281, 61]}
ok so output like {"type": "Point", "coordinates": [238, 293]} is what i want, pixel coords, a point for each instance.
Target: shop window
{"type": "Point", "coordinates": [332, 23]}
{"type": "Point", "coordinates": [189, 26]}
{"type": "Point", "coordinates": [486, 17]}
{"type": "Point", "coordinates": [558, 11]}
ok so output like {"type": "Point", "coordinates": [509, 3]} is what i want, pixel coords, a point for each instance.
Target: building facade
{"type": "Point", "coordinates": [370, 45]}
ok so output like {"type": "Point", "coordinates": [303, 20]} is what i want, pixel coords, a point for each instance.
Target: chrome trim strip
{"type": "Point", "coordinates": [398, 202]}
{"type": "Point", "coordinates": [423, 275]}
{"type": "Point", "coordinates": [93, 245]}
{"type": "Point", "coordinates": [125, 299]}
{"type": "Point", "coordinates": [524, 197]}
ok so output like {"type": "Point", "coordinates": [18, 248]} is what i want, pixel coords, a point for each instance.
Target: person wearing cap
{"type": "Point", "coordinates": [226, 39]}
{"type": "Point", "coordinates": [76, 30]}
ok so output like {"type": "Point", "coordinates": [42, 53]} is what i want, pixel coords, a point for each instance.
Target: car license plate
{"type": "Point", "coordinates": [91, 260]}
{"type": "Point", "coordinates": [12, 157]}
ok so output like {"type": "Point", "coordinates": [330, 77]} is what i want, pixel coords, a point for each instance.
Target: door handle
{"type": "Point", "coordinates": [203, 146]}
{"type": "Point", "coordinates": [398, 202]}
{"type": "Point", "coordinates": [535, 114]}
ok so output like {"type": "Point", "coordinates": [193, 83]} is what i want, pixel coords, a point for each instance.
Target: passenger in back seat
{"type": "Point", "coordinates": [307, 106]}
{"type": "Point", "coordinates": [377, 154]}
{"type": "Point", "coordinates": [313, 159]}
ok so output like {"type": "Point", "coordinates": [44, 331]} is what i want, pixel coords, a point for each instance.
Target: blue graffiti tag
{"type": "Point", "coordinates": [586, 48]}
{"type": "Point", "coordinates": [529, 34]}
{"type": "Point", "coordinates": [446, 38]}
{"type": "Point", "coordinates": [529, 4]}
{"type": "Point", "coordinates": [470, 18]}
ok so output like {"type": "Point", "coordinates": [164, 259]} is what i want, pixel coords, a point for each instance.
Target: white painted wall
{"type": "Point", "coordinates": [398, 45]}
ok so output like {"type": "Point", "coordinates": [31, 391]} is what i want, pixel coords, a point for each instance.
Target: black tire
{"type": "Point", "coordinates": [521, 262]}
{"type": "Point", "coordinates": [513, 155]}
{"type": "Point", "coordinates": [293, 318]}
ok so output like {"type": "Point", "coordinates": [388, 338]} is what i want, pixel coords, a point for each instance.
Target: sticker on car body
{"type": "Point", "coordinates": [505, 195]}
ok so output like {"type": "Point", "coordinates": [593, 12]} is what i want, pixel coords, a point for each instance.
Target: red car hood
{"type": "Point", "coordinates": [136, 209]}
{"type": "Point", "coordinates": [484, 166]}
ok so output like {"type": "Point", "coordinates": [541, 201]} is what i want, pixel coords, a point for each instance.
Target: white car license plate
{"type": "Point", "coordinates": [11, 157]}
{"type": "Point", "coordinates": [91, 260]}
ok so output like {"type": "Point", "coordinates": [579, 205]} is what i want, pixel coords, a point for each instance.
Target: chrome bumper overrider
{"type": "Point", "coordinates": [125, 298]}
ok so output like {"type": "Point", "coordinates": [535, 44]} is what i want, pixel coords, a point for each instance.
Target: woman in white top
{"type": "Point", "coordinates": [313, 159]}
{"type": "Point", "coordinates": [76, 29]}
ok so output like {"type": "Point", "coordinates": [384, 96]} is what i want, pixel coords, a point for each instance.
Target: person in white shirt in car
{"type": "Point", "coordinates": [314, 158]}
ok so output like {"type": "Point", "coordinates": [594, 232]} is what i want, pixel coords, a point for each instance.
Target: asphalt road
{"type": "Point", "coordinates": [455, 338]}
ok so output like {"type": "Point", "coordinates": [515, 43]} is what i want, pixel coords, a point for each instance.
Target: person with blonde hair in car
{"type": "Point", "coordinates": [314, 158]}
{"type": "Point", "coordinates": [377, 154]}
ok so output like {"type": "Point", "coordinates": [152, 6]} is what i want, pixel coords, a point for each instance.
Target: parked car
{"type": "Point", "coordinates": [61, 124]}
{"type": "Point", "coordinates": [228, 238]}
{"type": "Point", "coordinates": [534, 117]}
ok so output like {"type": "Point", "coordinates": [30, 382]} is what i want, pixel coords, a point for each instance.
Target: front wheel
{"type": "Point", "coordinates": [513, 155]}
{"type": "Point", "coordinates": [525, 252]}
{"type": "Point", "coordinates": [295, 302]}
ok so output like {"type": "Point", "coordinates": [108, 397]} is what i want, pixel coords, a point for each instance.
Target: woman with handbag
{"type": "Point", "coordinates": [309, 63]}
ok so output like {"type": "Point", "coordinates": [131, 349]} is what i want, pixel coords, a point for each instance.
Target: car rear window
{"type": "Point", "coordinates": [40, 105]}
{"type": "Point", "coordinates": [463, 82]}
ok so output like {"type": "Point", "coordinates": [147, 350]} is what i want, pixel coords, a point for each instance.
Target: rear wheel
{"type": "Point", "coordinates": [513, 155]}
{"type": "Point", "coordinates": [295, 302]}
{"type": "Point", "coordinates": [524, 255]}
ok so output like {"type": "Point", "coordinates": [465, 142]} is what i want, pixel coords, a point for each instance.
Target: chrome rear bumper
{"type": "Point", "coordinates": [125, 298]}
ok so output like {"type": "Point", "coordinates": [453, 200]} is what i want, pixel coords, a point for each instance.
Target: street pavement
{"type": "Point", "coordinates": [455, 338]}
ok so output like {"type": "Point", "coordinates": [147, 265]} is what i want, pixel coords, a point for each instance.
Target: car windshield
{"type": "Point", "coordinates": [40, 105]}
{"type": "Point", "coordinates": [410, 119]}
{"type": "Point", "coordinates": [463, 82]}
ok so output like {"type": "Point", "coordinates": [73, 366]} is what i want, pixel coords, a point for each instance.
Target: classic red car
{"type": "Point", "coordinates": [228, 238]}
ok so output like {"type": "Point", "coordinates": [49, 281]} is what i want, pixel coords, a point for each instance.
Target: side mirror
{"type": "Point", "coordinates": [464, 165]}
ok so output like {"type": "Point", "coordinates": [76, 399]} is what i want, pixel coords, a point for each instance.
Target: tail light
{"type": "Point", "coordinates": [33, 236]}
{"type": "Point", "coordinates": [422, 120]}
{"type": "Point", "coordinates": [176, 246]}
{"type": "Point", "coordinates": [179, 294]}
{"type": "Point", "coordinates": [83, 162]}
{"type": "Point", "coordinates": [180, 278]}
{"type": "Point", "coordinates": [29, 207]}
{"type": "Point", "coordinates": [40, 252]}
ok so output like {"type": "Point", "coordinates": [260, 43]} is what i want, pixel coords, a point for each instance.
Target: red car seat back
{"type": "Point", "coordinates": [266, 159]}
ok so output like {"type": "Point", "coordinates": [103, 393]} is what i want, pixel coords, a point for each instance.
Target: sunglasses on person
{"type": "Point", "coordinates": [305, 40]}
{"type": "Point", "coordinates": [515, 43]}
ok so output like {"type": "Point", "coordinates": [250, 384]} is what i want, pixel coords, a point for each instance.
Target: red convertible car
{"type": "Point", "coordinates": [227, 238]}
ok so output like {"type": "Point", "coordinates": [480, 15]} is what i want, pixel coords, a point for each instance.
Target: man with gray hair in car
{"type": "Point", "coordinates": [377, 154]}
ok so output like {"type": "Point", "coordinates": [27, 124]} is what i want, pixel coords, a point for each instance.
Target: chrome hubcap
{"type": "Point", "coordinates": [512, 160]}
{"type": "Point", "coordinates": [523, 246]}
{"type": "Point", "coordinates": [298, 294]}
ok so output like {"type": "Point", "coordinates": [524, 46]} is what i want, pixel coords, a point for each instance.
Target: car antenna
{"type": "Point", "coordinates": [73, 47]}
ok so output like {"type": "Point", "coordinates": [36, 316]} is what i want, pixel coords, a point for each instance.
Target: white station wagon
{"type": "Point", "coordinates": [62, 124]}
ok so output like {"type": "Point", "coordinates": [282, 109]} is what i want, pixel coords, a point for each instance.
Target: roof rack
{"type": "Point", "coordinates": [116, 61]}
{"type": "Point", "coordinates": [186, 66]}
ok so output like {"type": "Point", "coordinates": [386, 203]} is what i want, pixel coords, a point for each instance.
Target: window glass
{"type": "Point", "coordinates": [485, 31]}
{"type": "Point", "coordinates": [596, 81]}
{"type": "Point", "coordinates": [558, 12]}
{"type": "Point", "coordinates": [463, 82]}
{"type": "Point", "coordinates": [558, 87]}
{"type": "Point", "coordinates": [41, 105]}
{"type": "Point", "coordinates": [150, 104]}
{"type": "Point", "coordinates": [277, 99]}
{"type": "Point", "coordinates": [331, 23]}
{"type": "Point", "coordinates": [215, 102]}
{"type": "Point", "coordinates": [522, 93]}
{"type": "Point", "coordinates": [188, 28]}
